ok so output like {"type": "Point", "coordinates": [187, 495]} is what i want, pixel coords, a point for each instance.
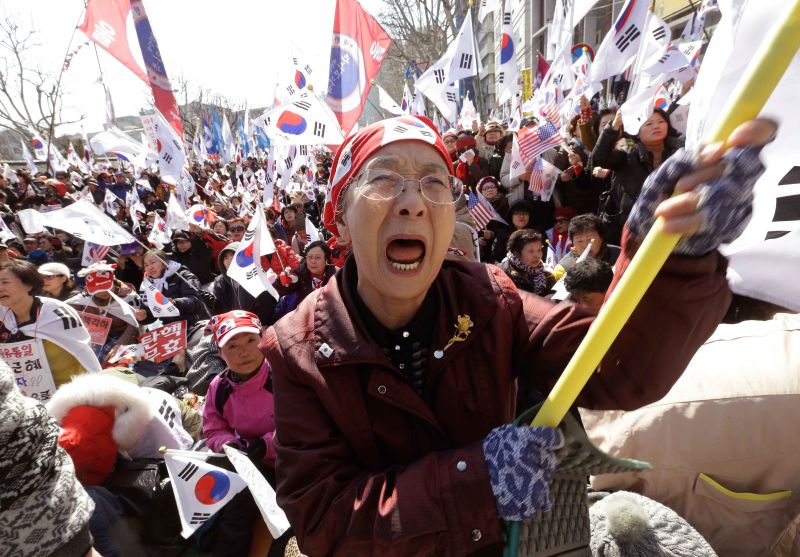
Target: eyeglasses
{"type": "Point", "coordinates": [384, 185]}
{"type": "Point", "coordinates": [237, 228]}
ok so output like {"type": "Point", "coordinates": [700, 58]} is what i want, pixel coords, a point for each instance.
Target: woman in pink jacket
{"type": "Point", "coordinates": [239, 411]}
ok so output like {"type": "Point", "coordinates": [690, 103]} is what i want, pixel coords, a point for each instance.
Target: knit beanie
{"type": "Point", "coordinates": [625, 524]}
{"type": "Point", "coordinates": [43, 507]}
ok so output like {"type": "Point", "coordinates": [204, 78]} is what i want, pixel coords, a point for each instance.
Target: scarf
{"type": "Point", "coordinates": [172, 268]}
{"type": "Point", "coordinates": [534, 275]}
{"type": "Point", "coordinates": [60, 324]}
{"type": "Point", "coordinates": [38, 478]}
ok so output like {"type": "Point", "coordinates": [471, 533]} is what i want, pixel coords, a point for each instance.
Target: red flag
{"type": "Point", "coordinates": [542, 67]}
{"type": "Point", "coordinates": [105, 24]}
{"type": "Point", "coordinates": [156, 72]}
{"type": "Point", "coordinates": [359, 47]}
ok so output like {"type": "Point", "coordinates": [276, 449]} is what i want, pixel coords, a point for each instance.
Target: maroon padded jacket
{"type": "Point", "coordinates": [365, 466]}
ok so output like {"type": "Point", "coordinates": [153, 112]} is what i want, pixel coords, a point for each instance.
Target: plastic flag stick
{"type": "Point", "coordinates": [760, 79]}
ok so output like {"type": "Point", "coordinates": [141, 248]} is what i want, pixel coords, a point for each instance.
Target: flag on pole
{"type": "Point", "coordinates": [408, 99]}
{"type": "Point", "coordinates": [481, 210]}
{"type": "Point", "coordinates": [543, 179]}
{"type": "Point", "coordinates": [160, 305]}
{"type": "Point", "coordinates": [228, 144]}
{"type": "Point", "coordinates": [87, 150]}
{"type": "Point", "coordinates": [92, 253]}
{"type": "Point", "coordinates": [28, 159]}
{"type": "Point", "coordinates": [386, 102]}
{"type": "Point", "coordinates": [171, 153]}
{"type": "Point", "coordinates": [199, 144]}
{"type": "Point", "coordinates": [311, 231]}
{"type": "Point", "coordinates": [486, 7]}
{"type": "Point", "coordinates": [106, 25]}
{"type": "Point", "coordinates": [358, 49]}
{"type": "Point", "coordinates": [245, 267]}
{"type": "Point", "coordinates": [159, 235]}
{"type": "Point", "coordinates": [535, 141]}
{"type": "Point", "coordinates": [508, 73]}
{"type": "Point", "coordinates": [303, 120]}
{"type": "Point", "coordinates": [418, 106]}
{"type": "Point", "coordinates": [176, 215]}
{"type": "Point", "coordinates": [200, 489]}
{"type": "Point", "coordinates": [458, 62]}
{"type": "Point", "coordinates": [263, 494]}
{"type": "Point", "coordinates": [622, 41]}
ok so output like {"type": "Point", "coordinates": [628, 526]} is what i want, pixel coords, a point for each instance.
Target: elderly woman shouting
{"type": "Point", "coordinates": [395, 382]}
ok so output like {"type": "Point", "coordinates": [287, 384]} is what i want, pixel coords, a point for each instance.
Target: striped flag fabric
{"type": "Point", "coordinates": [92, 253]}
{"type": "Point", "coordinates": [543, 178]}
{"type": "Point", "coordinates": [535, 141]}
{"type": "Point", "coordinates": [481, 210]}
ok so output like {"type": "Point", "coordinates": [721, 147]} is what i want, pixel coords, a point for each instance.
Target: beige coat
{"type": "Point", "coordinates": [725, 441]}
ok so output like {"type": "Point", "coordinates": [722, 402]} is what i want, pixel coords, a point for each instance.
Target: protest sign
{"type": "Point", "coordinates": [164, 342]}
{"type": "Point", "coordinates": [31, 371]}
{"type": "Point", "coordinates": [97, 325]}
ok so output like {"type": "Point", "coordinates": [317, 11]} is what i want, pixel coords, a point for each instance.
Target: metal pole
{"type": "Point", "coordinates": [56, 91]}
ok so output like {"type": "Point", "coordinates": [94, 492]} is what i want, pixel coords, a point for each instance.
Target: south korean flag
{"type": "Point", "coordinates": [303, 120]}
{"type": "Point", "coordinates": [160, 305]}
{"type": "Point", "coordinates": [622, 41]}
{"type": "Point", "coordinates": [200, 489]}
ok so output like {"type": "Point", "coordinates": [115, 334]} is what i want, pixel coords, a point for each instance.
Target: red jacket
{"type": "Point", "coordinates": [367, 467]}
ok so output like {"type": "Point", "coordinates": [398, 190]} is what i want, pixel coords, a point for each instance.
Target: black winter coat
{"type": "Point", "coordinates": [631, 169]}
{"type": "Point", "coordinates": [197, 259]}
{"type": "Point", "coordinates": [184, 291]}
{"type": "Point", "coordinates": [230, 295]}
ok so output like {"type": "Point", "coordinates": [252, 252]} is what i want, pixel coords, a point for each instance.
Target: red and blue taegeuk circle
{"type": "Point", "coordinates": [292, 123]}
{"type": "Point", "coordinates": [212, 487]}
{"type": "Point", "coordinates": [299, 79]}
{"type": "Point", "coordinates": [160, 298]}
{"type": "Point", "coordinates": [245, 257]}
{"type": "Point", "coordinates": [198, 215]}
{"type": "Point", "coordinates": [506, 48]}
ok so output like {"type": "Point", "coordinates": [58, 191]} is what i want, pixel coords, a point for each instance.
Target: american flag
{"type": "Point", "coordinates": [535, 141]}
{"type": "Point", "coordinates": [543, 177]}
{"type": "Point", "coordinates": [480, 209]}
{"type": "Point", "coordinates": [550, 107]}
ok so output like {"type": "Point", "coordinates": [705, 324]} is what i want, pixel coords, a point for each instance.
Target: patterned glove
{"type": "Point", "coordinates": [521, 461]}
{"type": "Point", "coordinates": [726, 204]}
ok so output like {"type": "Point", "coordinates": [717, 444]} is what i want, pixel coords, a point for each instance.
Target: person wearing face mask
{"type": "Point", "coordinates": [395, 382]}
{"type": "Point", "coordinates": [655, 142]}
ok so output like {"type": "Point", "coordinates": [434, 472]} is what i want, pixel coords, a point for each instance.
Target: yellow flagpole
{"type": "Point", "coordinates": [760, 78]}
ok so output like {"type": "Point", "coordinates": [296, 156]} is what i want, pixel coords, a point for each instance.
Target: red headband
{"type": "Point", "coordinates": [359, 147]}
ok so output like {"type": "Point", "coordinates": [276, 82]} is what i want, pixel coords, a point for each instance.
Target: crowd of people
{"type": "Point", "coordinates": [256, 370]}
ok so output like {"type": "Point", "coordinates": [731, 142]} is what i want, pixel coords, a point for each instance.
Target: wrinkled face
{"type": "Point", "coordinates": [489, 190]}
{"type": "Point", "coordinates": [580, 241]}
{"type": "Point", "coordinates": [562, 225]}
{"type": "Point", "coordinates": [520, 219]}
{"type": "Point", "coordinates": [183, 245]}
{"type": "Point", "coordinates": [153, 266]}
{"type": "Point", "coordinates": [53, 283]}
{"type": "Point", "coordinates": [653, 130]}
{"type": "Point", "coordinates": [241, 353]}
{"type": "Point", "coordinates": [227, 257]}
{"type": "Point", "coordinates": [315, 261]}
{"type": "Point", "coordinates": [492, 137]}
{"type": "Point", "coordinates": [237, 231]}
{"type": "Point", "coordinates": [12, 290]}
{"type": "Point", "coordinates": [399, 244]}
{"type": "Point", "coordinates": [531, 253]}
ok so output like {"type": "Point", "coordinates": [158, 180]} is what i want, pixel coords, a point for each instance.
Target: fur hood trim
{"type": "Point", "coordinates": [133, 411]}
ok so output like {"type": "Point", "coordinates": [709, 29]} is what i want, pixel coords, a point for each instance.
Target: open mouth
{"type": "Point", "coordinates": [405, 254]}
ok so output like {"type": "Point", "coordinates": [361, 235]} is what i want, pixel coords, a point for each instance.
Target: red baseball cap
{"type": "Point", "coordinates": [228, 325]}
